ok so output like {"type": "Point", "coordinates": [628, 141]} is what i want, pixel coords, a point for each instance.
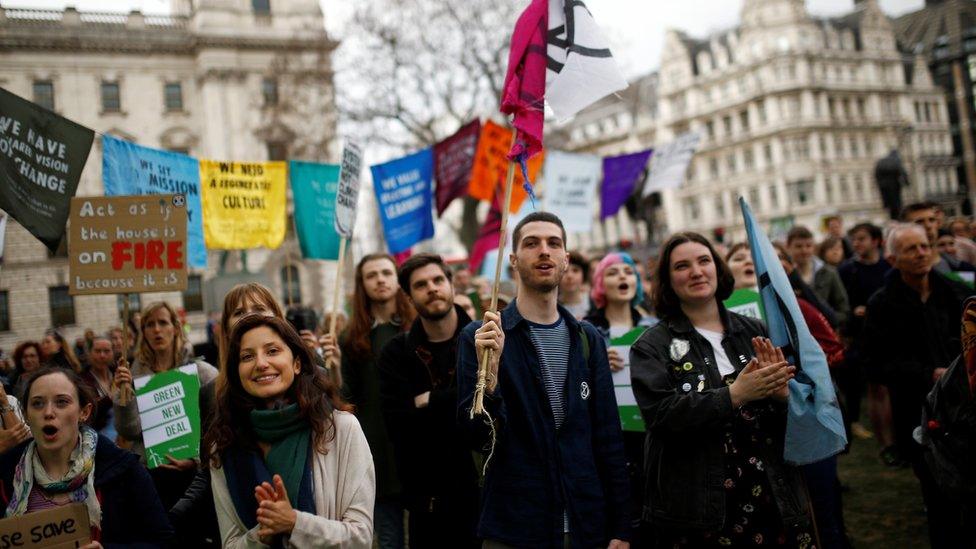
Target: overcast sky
{"type": "Point", "coordinates": [636, 33]}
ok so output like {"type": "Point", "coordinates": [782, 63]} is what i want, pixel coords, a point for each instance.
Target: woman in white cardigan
{"type": "Point", "coordinates": [290, 467]}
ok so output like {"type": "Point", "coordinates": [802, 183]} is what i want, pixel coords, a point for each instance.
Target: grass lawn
{"type": "Point", "coordinates": [883, 506]}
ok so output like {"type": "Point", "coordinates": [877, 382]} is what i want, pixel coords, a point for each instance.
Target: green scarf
{"type": "Point", "coordinates": [289, 436]}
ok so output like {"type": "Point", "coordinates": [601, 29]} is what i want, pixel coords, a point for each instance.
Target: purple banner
{"type": "Point", "coordinates": [453, 162]}
{"type": "Point", "coordinates": [620, 175]}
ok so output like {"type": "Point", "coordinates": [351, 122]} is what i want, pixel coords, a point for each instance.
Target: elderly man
{"type": "Point", "coordinates": [911, 335]}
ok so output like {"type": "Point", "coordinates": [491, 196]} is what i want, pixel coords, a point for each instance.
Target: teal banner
{"type": "Point", "coordinates": [313, 188]}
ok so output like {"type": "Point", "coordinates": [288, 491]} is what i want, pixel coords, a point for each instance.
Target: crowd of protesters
{"type": "Point", "coordinates": [367, 439]}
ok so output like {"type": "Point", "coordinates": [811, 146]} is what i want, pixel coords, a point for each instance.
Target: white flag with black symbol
{"type": "Point", "coordinates": [580, 68]}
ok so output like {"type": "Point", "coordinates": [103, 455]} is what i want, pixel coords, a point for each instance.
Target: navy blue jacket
{"type": "Point", "coordinates": [132, 515]}
{"type": "Point", "coordinates": [537, 471]}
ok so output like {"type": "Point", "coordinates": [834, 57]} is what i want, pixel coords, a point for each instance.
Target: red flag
{"type": "Point", "coordinates": [453, 162]}
{"type": "Point", "coordinates": [487, 236]}
{"type": "Point", "coordinates": [525, 82]}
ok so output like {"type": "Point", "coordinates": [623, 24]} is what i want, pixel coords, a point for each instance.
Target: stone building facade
{"type": "Point", "coordinates": [221, 79]}
{"type": "Point", "coordinates": [794, 111]}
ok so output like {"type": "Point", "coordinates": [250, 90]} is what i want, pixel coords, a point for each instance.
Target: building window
{"type": "Point", "coordinates": [44, 94]}
{"type": "Point", "coordinates": [291, 293]}
{"type": "Point", "coordinates": [692, 211]}
{"type": "Point", "coordinates": [773, 196]}
{"type": "Point", "coordinates": [713, 167]}
{"type": "Point", "coordinates": [744, 120]}
{"type": "Point", "coordinates": [62, 306]}
{"type": "Point", "coordinates": [173, 96]}
{"type": "Point", "coordinates": [111, 101]}
{"type": "Point", "coordinates": [4, 311]}
{"type": "Point", "coordinates": [269, 91]}
{"type": "Point", "coordinates": [754, 198]}
{"type": "Point", "coordinates": [261, 7]}
{"type": "Point", "coordinates": [277, 150]}
{"type": "Point", "coordinates": [135, 303]}
{"type": "Point", "coordinates": [193, 295]}
{"type": "Point", "coordinates": [801, 192]}
{"type": "Point", "coordinates": [719, 207]}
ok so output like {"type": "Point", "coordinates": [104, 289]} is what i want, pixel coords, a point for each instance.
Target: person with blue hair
{"type": "Point", "coordinates": [617, 293]}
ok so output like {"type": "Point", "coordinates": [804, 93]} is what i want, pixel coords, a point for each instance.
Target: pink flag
{"type": "Point", "coordinates": [525, 83]}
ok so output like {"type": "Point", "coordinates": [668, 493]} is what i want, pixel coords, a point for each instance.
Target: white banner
{"type": "Point", "coordinates": [570, 188]}
{"type": "Point", "coordinates": [348, 193]}
{"type": "Point", "coordinates": [670, 163]}
{"type": "Point", "coordinates": [3, 232]}
{"type": "Point", "coordinates": [581, 69]}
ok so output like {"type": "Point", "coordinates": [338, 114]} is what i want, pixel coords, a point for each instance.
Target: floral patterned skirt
{"type": "Point", "coordinates": [752, 518]}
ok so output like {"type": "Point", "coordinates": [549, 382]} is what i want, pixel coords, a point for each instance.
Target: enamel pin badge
{"type": "Point", "coordinates": [679, 348]}
{"type": "Point", "coordinates": [584, 390]}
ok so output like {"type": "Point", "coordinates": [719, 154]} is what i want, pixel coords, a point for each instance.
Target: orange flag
{"type": "Point", "coordinates": [491, 166]}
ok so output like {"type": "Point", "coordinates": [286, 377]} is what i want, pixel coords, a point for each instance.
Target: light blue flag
{"type": "Point", "coordinates": [404, 189]}
{"type": "Point", "coordinates": [814, 428]}
{"type": "Point", "coordinates": [131, 170]}
{"type": "Point", "coordinates": [314, 188]}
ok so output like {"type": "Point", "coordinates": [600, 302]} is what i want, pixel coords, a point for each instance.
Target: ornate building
{"type": "Point", "coordinates": [794, 111]}
{"type": "Point", "coordinates": [945, 32]}
{"type": "Point", "coordinates": [222, 79]}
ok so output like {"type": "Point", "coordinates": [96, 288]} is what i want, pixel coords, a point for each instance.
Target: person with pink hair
{"type": "Point", "coordinates": [617, 292]}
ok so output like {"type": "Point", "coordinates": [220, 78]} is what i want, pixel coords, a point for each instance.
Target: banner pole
{"type": "Point", "coordinates": [125, 391]}
{"type": "Point", "coordinates": [336, 294]}
{"type": "Point", "coordinates": [478, 404]}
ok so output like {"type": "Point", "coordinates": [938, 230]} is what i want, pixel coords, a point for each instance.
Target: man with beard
{"type": "Point", "coordinates": [556, 474]}
{"type": "Point", "coordinates": [418, 388]}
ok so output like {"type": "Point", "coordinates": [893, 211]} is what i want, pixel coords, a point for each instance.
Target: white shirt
{"type": "Point", "coordinates": [725, 367]}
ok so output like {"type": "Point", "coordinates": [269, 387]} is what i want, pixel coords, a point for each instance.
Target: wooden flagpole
{"type": "Point", "coordinates": [336, 294]}
{"type": "Point", "coordinates": [478, 405]}
{"type": "Point", "coordinates": [125, 391]}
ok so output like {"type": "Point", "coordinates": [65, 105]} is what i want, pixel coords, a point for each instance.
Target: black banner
{"type": "Point", "coordinates": [41, 159]}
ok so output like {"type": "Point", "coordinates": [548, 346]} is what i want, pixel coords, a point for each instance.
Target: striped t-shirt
{"type": "Point", "coordinates": [552, 344]}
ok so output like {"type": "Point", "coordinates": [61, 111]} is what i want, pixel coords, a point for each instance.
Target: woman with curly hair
{"type": "Point", "coordinates": [289, 465]}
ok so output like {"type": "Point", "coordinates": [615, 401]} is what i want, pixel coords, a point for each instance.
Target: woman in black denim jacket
{"type": "Point", "coordinates": [713, 390]}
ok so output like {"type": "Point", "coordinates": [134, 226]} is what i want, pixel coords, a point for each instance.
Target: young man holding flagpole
{"type": "Point", "coordinates": [556, 476]}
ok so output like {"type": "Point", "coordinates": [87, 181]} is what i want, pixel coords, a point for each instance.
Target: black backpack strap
{"type": "Point", "coordinates": [586, 345]}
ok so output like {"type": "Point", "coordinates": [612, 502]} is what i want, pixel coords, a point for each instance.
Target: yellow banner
{"type": "Point", "coordinates": [243, 204]}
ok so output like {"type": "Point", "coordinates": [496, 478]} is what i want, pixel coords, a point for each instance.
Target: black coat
{"type": "Point", "coordinates": [906, 340]}
{"type": "Point", "coordinates": [433, 458]}
{"type": "Point", "coordinates": [132, 515]}
{"type": "Point", "coordinates": [538, 474]}
{"type": "Point", "coordinates": [684, 456]}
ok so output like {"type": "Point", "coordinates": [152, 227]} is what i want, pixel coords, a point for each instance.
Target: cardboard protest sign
{"type": "Point", "coordinates": [453, 162]}
{"type": "Point", "coordinates": [403, 190]}
{"type": "Point", "coordinates": [571, 181]}
{"type": "Point", "coordinates": [129, 170]}
{"type": "Point", "coordinates": [243, 204]}
{"type": "Point", "coordinates": [491, 166]}
{"type": "Point", "coordinates": [630, 416]}
{"type": "Point", "coordinates": [41, 159]}
{"type": "Point", "coordinates": [58, 528]}
{"type": "Point", "coordinates": [127, 244]}
{"type": "Point", "coordinates": [746, 302]}
{"type": "Point", "coordinates": [348, 192]}
{"type": "Point", "coordinates": [169, 412]}
{"type": "Point", "coordinates": [313, 191]}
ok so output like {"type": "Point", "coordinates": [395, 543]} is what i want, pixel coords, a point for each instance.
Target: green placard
{"type": "Point", "coordinates": [630, 417]}
{"type": "Point", "coordinates": [964, 277]}
{"type": "Point", "coordinates": [746, 302]}
{"type": "Point", "coordinates": [169, 411]}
